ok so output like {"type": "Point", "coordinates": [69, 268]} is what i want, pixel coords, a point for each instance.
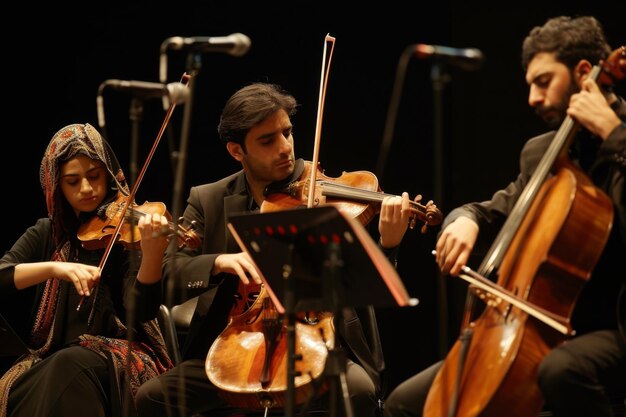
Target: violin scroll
{"type": "Point", "coordinates": [187, 236]}
{"type": "Point", "coordinates": [429, 214]}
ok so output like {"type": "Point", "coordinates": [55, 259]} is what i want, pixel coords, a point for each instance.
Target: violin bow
{"type": "Point", "coordinates": [131, 196]}
{"type": "Point", "coordinates": [320, 110]}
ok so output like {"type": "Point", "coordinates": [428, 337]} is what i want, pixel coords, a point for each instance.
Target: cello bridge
{"type": "Point", "coordinates": [489, 299]}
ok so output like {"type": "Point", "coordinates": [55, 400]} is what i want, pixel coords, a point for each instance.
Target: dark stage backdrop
{"type": "Point", "coordinates": [54, 81]}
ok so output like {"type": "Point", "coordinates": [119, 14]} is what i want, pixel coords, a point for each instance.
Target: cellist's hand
{"type": "Point", "coordinates": [239, 264]}
{"type": "Point", "coordinates": [455, 245]}
{"type": "Point", "coordinates": [590, 108]}
{"type": "Point", "coordinates": [393, 220]}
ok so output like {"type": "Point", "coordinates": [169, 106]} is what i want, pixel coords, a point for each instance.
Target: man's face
{"type": "Point", "coordinates": [551, 86]}
{"type": "Point", "coordinates": [269, 154]}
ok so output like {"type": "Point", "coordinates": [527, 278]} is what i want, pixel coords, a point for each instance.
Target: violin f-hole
{"type": "Point", "coordinates": [507, 310]}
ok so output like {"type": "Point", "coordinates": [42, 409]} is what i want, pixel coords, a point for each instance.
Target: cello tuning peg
{"type": "Point", "coordinates": [424, 228]}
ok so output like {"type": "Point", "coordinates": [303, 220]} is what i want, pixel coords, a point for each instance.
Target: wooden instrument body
{"type": "Point", "coordinates": [235, 362]}
{"type": "Point", "coordinates": [549, 261]}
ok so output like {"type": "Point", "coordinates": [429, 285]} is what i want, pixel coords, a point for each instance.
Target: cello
{"type": "Point", "coordinates": [541, 268]}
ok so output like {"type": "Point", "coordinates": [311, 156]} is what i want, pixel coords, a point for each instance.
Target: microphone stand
{"type": "Point", "coordinates": [194, 64]}
{"type": "Point", "coordinates": [179, 159]}
{"type": "Point", "coordinates": [439, 78]}
{"type": "Point", "coordinates": [135, 114]}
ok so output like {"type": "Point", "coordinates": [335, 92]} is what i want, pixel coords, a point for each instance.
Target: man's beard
{"type": "Point", "coordinates": [555, 114]}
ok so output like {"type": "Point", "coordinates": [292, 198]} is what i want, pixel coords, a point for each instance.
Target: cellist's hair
{"type": "Point", "coordinates": [572, 39]}
{"type": "Point", "coordinates": [249, 106]}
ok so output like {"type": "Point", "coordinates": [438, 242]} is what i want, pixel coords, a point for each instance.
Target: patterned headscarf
{"type": "Point", "coordinates": [72, 140]}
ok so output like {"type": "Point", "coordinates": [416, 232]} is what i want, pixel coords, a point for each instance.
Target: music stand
{"type": "Point", "coordinates": [317, 259]}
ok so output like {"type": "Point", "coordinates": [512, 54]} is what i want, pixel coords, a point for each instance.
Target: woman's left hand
{"type": "Point", "coordinates": [155, 236]}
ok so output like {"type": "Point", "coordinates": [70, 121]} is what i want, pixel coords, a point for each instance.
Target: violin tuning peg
{"type": "Point", "coordinates": [424, 228]}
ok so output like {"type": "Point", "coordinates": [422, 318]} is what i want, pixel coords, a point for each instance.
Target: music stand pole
{"type": "Point", "coordinates": [336, 362]}
{"type": "Point", "coordinates": [290, 314]}
{"type": "Point", "coordinates": [335, 369]}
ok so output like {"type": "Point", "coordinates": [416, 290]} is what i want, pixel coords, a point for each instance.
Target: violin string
{"type": "Point", "coordinates": [349, 191]}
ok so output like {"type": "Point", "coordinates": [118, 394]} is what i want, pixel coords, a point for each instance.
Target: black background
{"type": "Point", "coordinates": [54, 81]}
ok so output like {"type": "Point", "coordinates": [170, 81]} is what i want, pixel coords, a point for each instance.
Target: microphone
{"type": "Point", "coordinates": [176, 92]}
{"type": "Point", "coordinates": [235, 44]}
{"type": "Point", "coordinates": [466, 58]}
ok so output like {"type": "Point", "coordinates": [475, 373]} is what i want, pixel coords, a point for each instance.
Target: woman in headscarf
{"type": "Point", "coordinates": [83, 361]}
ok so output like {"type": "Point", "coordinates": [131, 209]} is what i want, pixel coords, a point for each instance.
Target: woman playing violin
{"type": "Point", "coordinates": [82, 361]}
{"type": "Point", "coordinates": [580, 376]}
{"type": "Point", "coordinates": [256, 128]}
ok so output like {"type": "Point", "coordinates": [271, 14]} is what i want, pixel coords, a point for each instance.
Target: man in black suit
{"type": "Point", "coordinates": [256, 128]}
{"type": "Point", "coordinates": [578, 377]}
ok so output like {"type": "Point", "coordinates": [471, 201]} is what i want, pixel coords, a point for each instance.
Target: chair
{"type": "Point", "coordinates": [175, 323]}
{"type": "Point", "coordinates": [166, 322]}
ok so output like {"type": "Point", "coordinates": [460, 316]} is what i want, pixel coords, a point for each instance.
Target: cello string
{"type": "Point", "coordinates": [476, 279]}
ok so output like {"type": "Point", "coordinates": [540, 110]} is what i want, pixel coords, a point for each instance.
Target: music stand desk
{"type": "Point", "coordinates": [295, 244]}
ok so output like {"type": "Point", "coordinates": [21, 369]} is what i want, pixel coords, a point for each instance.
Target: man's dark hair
{"type": "Point", "coordinates": [249, 106]}
{"type": "Point", "coordinates": [572, 39]}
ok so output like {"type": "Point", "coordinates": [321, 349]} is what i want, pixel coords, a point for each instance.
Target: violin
{"type": "Point", "coordinates": [354, 193]}
{"type": "Point", "coordinates": [97, 232]}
